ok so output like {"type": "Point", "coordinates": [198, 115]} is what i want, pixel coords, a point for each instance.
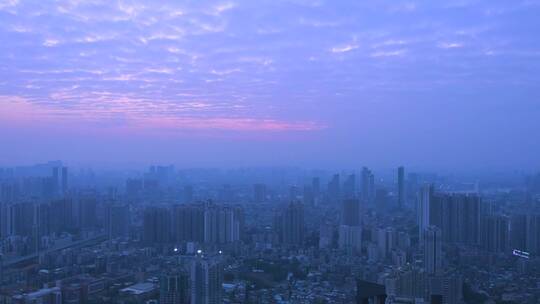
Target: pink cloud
{"type": "Point", "coordinates": [133, 115]}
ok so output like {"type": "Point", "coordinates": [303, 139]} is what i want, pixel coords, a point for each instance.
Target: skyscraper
{"type": "Point", "coordinates": [156, 225]}
{"type": "Point", "coordinates": [56, 179]}
{"type": "Point", "coordinates": [494, 233]}
{"type": "Point", "coordinates": [350, 237]}
{"type": "Point", "coordinates": [334, 189]}
{"type": "Point", "coordinates": [206, 281]}
{"type": "Point", "coordinates": [87, 212]}
{"type": "Point", "coordinates": [423, 208]}
{"type": "Point", "coordinates": [259, 193]}
{"type": "Point", "coordinates": [188, 194]}
{"type": "Point", "coordinates": [292, 224]}
{"type": "Point", "coordinates": [350, 231]}
{"type": "Point", "coordinates": [134, 188]}
{"type": "Point", "coordinates": [432, 250]}
{"type": "Point", "coordinates": [349, 187]}
{"type": "Point", "coordinates": [457, 215]}
{"type": "Point", "coordinates": [226, 194]}
{"type": "Point", "coordinates": [381, 199]}
{"type": "Point", "coordinates": [221, 224]}
{"type": "Point", "coordinates": [308, 196]}
{"type": "Point", "coordinates": [174, 288]}
{"type": "Point", "coordinates": [386, 241]}
{"type": "Point", "coordinates": [206, 222]}
{"type": "Point", "coordinates": [316, 185]}
{"type": "Point", "coordinates": [117, 221]}
{"type": "Point", "coordinates": [351, 212]}
{"type": "Point", "coordinates": [401, 187]}
{"type": "Point", "coordinates": [61, 215]}
{"type": "Point", "coordinates": [64, 179]}
{"type": "Point", "coordinates": [533, 234]}
{"type": "Point", "coordinates": [518, 231]}
{"type": "Point", "coordinates": [368, 185]}
{"type": "Point", "coordinates": [188, 223]}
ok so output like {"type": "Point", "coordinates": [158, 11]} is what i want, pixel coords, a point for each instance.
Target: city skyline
{"type": "Point", "coordinates": [442, 86]}
{"type": "Point", "coordinates": [269, 152]}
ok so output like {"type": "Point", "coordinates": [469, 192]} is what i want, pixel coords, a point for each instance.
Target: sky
{"type": "Point", "coordinates": [449, 84]}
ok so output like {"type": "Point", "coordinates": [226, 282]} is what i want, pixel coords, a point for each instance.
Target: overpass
{"type": "Point", "coordinates": [74, 244]}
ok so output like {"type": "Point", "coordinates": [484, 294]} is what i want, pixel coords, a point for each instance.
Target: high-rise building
{"type": "Point", "coordinates": [386, 241]}
{"type": "Point", "coordinates": [350, 231]}
{"type": "Point", "coordinates": [259, 193]}
{"type": "Point", "coordinates": [449, 286]}
{"type": "Point", "coordinates": [56, 179]}
{"type": "Point", "coordinates": [308, 196]}
{"type": "Point", "coordinates": [188, 223]}
{"type": "Point", "coordinates": [533, 234]}
{"type": "Point", "coordinates": [117, 221]}
{"type": "Point", "coordinates": [422, 208]}
{"type": "Point", "coordinates": [21, 218]}
{"type": "Point", "coordinates": [326, 235]}
{"type": "Point", "coordinates": [406, 282]}
{"type": "Point", "coordinates": [206, 222]}
{"type": "Point", "coordinates": [432, 250]}
{"type": "Point", "coordinates": [351, 212]}
{"type": "Point", "coordinates": [368, 185]}
{"type": "Point", "coordinates": [221, 225]}
{"type": "Point", "coordinates": [60, 179]}
{"type": "Point", "coordinates": [525, 232]}
{"type": "Point", "coordinates": [226, 194]}
{"type": "Point", "coordinates": [294, 193]}
{"type": "Point", "coordinates": [401, 187]}
{"type": "Point", "coordinates": [291, 226]}
{"type": "Point", "coordinates": [518, 232]}
{"type": "Point", "coordinates": [206, 281]}
{"type": "Point", "coordinates": [350, 237]}
{"type": "Point", "coordinates": [64, 179]}
{"type": "Point", "coordinates": [8, 192]}
{"type": "Point", "coordinates": [87, 212]}
{"type": "Point", "coordinates": [381, 199]}
{"type": "Point", "coordinates": [457, 215]}
{"type": "Point", "coordinates": [4, 220]}
{"type": "Point", "coordinates": [156, 225]}
{"type": "Point", "coordinates": [495, 233]}
{"type": "Point", "coordinates": [412, 186]}
{"type": "Point", "coordinates": [61, 215]}
{"type": "Point", "coordinates": [368, 292]}
{"type": "Point", "coordinates": [349, 187]}
{"type": "Point", "coordinates": [316, 186]}
{"type": "Point", "coordinates": [188, 194]}
{"type": "Point", "coordinates": [174, 288]}
{"type": "Point", "coordinates": [134, 188]}
{"type": "Point", "coordinates": [334, 192]}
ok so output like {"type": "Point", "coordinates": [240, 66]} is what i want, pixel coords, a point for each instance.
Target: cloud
{"type": "Point", "coordinates": [344, 48]}
{"type": "Point", "coordinates": [394, 53]}
{"type": "Point", "coordinates": [389, 42]}
{"type": "Point", "coordinates": [279, 62]}
{"type": "Point", "coordinates": [8, 5]}
{"type": "Point", "coordinates": [224, 72]}
{"type": "Point", "coordinates": [406, 7]}
{"type": "Point", "coordinates": [449, 45]}
{"type": "Point", "coordinates": [318, 23]}
{"type": "Point", "coordinates": [51, 42]}
{"type": "Point", "coordinates": [140, 114]}
{"type": "Point", "coordinates": [223, 7]}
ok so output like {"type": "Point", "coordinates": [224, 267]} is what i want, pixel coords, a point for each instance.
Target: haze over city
{"type": "Point", "coordinates": [269, 152]}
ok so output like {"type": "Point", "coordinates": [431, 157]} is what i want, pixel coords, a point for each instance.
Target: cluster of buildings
{"type": "Point", "coordinates": [170, 236]}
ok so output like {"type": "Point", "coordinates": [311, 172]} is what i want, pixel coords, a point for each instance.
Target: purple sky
{"type": "Point", "coordinates": [431, 84]}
